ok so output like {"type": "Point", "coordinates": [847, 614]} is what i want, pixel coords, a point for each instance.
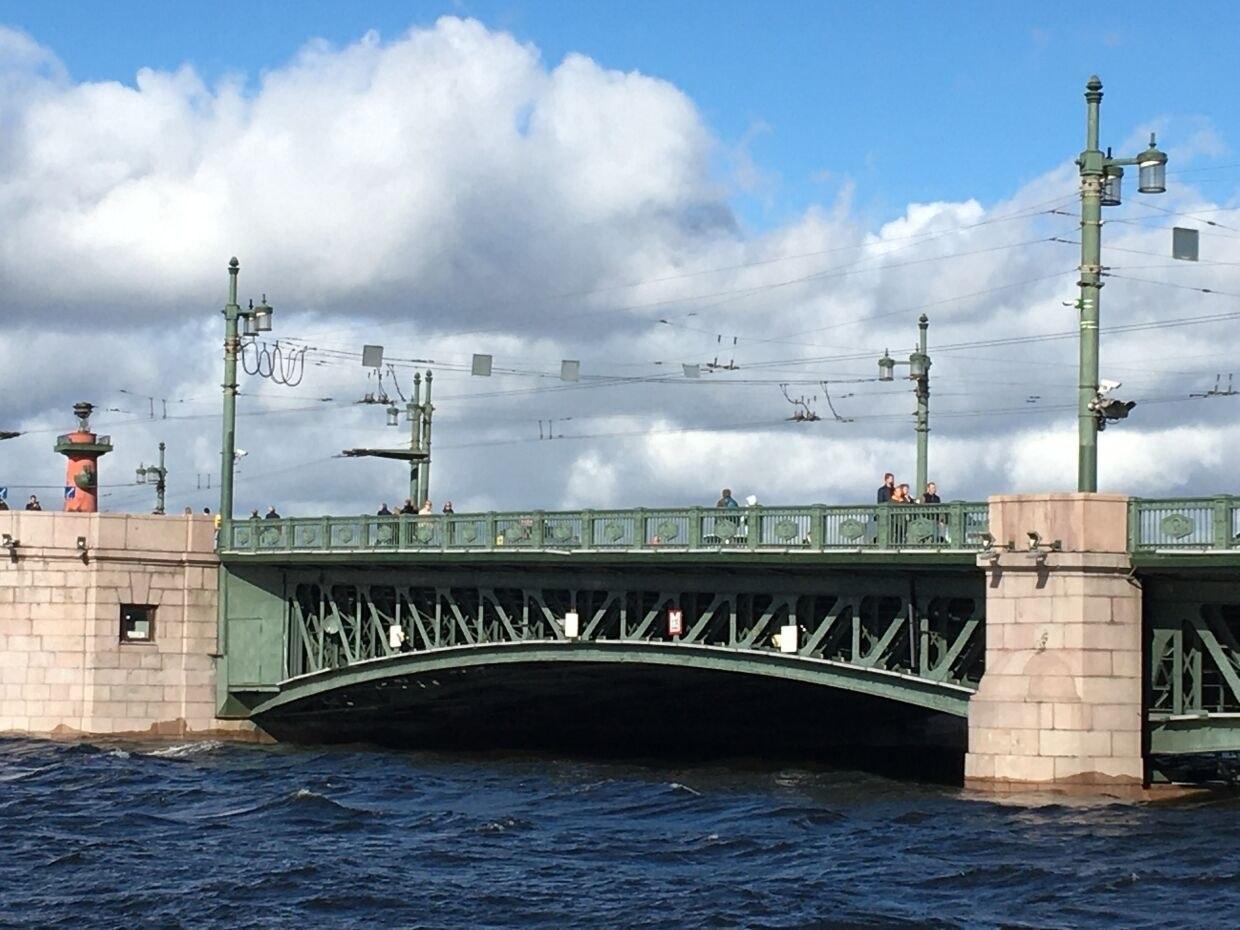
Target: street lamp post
{"type": "Point", "coordinates": [257, 320]}
{"type": "Point", "coordinates": [418, 455]}
{"type": "Point", "coordinates": [414, 413]}
{"type": "Point", "coordinates": [919, 373]}
{"type": "Point", "coordinates": [158, 474]}
{"type": "Point", "coordinates": [423, 426]}
{"type": "Point", "coordinates": [1101, 179]}
{"type": "Point", "coordinates": [418, 413]}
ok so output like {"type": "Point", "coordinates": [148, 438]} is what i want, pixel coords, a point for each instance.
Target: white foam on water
{"type": "Point", "coordinates": [180, 750]}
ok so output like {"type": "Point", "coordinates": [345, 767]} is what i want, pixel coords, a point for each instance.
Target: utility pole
{"type": "Point", "coordinates": [232, 346]}
{"type": "Point", "coordinates": [257, 320]}
{"type": "Point", "coordinates": [414, 412]}
{"type": "Point", "coordinates": [1101, 177]}
{"type": "Point", "coordinates": [424, 441]}
{"type": "Point", "coordinates": [418, 455]}
{"type": "Point", "coordinates": [419, 413]}
{"type": "Point", "coordinates": [159, 475]}
{"type": "Point", "coordinates": [922, 387]}
{"type": "Point", "coordinates": [919, 373]}
{"type": "Point", "coordinates": [161, 485]}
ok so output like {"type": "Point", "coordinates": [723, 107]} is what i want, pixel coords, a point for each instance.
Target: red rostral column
{"type": "Point", "coordinates": [82, 448]}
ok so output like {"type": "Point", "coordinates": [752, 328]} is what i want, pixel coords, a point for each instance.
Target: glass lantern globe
{"type": "Point", "coordinates": [1112, 183]}
{"type": "Point", "coordinates": [262, 317]}
{"type": "Point", "coordinates": [886, 367]}
{"type": "Point", "coordinates": [1153, 167]}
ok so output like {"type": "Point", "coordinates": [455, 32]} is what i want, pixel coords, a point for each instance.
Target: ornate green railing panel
{"type": "Point", "coordinates": [1185, 524]}
{"type": "Point", "coordinates": [955, 526]}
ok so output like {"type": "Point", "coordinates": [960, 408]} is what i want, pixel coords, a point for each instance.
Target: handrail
{"type": "Point", "coordinates": [1183, 524]}
{"type": "Point", "coordinates": [958, 525]}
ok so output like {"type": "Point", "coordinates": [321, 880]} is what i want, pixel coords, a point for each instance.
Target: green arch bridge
{"type": "Point", "coordinates": [785, 620]}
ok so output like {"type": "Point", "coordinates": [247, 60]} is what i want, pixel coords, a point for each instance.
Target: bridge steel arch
{"type": "Point", "coordinates": [901, 687]}
{"type": "Point", "coordinates": [307, 637]}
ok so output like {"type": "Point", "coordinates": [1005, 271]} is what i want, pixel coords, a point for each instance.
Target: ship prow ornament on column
{"type": "Point", "coordinates": [83, 449]}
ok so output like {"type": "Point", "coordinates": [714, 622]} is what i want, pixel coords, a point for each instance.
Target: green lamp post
{"type": "Point", "coordinates": [157, 475]}
{"type": "Point", "coordinates": [919, 373]}
{"type": "Point", "coordinates": [419, 412]}
{"type": "Point", "coordinates": [1101, 180]}
{"type": "Point", "coordinates": [256, 320]}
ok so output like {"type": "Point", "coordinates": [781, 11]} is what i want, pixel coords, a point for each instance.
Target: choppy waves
{"type": "Point", "coordinates": [220, 836]}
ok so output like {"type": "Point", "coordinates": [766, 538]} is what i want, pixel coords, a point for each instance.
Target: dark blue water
{"type": "Point", "coordinates": [210, 835]}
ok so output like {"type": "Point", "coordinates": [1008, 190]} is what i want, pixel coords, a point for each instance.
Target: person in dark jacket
{"type": "Point", "coordinates": [932, 494]}
{"type": "Point", "coordinates": [33, 503]}
{"type": "Point", "coordinates": [888, 488]}
{"type": "Point", "coordinates": [408, 508]}
{"type": "Point", "coordinates": [383, 511]}
{"type": "Point", "coordinates": [271, 513]}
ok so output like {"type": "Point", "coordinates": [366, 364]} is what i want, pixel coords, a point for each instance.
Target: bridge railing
{"type": "Point", "coordinates": [819, 528]}
{"type": "Point", "coordinates": [1185, 523]}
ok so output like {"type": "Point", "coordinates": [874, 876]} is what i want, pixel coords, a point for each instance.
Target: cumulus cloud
{"type": "Point", "coordinates": [448, 191]}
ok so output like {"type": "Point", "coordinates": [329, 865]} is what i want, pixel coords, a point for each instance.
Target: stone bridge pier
{"type": "Point", "coordinates": [1060, 704]}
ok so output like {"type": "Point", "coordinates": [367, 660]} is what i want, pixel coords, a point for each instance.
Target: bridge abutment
{"type": "Point", "coordinates": [1060, 703]}
{"type": "Point", "coordinates": [108, 626]}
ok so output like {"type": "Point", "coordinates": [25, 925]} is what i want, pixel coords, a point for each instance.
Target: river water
{"type": "Point", "coordinates": [226, 836]}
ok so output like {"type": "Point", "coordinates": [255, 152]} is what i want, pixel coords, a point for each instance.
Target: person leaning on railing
{"type": "Point", "coordinates": [931, 496]}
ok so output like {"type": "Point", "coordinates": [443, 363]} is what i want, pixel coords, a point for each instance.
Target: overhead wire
{"type": "Point", "coordinates": [911, 239]}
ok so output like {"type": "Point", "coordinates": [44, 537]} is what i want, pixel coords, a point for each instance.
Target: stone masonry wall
{"type": "Point", "coordinates": [63, 668]}
{"type": "Point", "coordinates": [1060, 703]}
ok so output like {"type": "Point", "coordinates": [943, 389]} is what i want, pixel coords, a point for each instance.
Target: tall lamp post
{"type": "Point", "coordinates": [158, 475]}
{"type": "Point", "coordinates": [919, 373]}
{"type": "Point", "coordinates": [418, 454]}
{"type": "Point", "coordinates": [256, 320]}
{"type": "Point", "coordinates": [1101, 178]}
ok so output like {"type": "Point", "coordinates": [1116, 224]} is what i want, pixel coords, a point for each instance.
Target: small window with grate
{"type": "Point", "coordinates": [137, 623]}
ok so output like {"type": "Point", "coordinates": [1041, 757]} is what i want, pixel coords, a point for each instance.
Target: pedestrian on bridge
{"type": "Point", "coordinates": [33, 503]}
{"type": "Point", "coordinates": [448, 508]}
{"type": "Point", "coordinates": [888, 488]}
{"type": "Point", "coordinates": [726, 500]}
{"type": "Point", "coordinates": [932, 494]}
{"type": "Point", "coordinates": [383, 511]}
{"type": "Point", "coordinates": [271, 513]}
{"type": "Point", "coordinates": [427, 507]}
{"type": "Point", "coordinates": [408, 508]}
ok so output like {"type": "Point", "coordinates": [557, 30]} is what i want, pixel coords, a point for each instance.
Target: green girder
{"type": "Point", "coordinates": [905, 688]}
{"type": "Point", "coordinates": [915, 637]}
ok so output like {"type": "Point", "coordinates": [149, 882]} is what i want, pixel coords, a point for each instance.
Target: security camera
{"type": "Point", "coordinates": [1106, 386]}
{"type": "Point", "coordinates": [240, 454]}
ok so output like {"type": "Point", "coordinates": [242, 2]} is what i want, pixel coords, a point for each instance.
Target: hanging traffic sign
{"type": "Point", "coordinates": [70, 492]}
{"type": "Point", "coordinates": [4, 493]}
{"type": "Point", "coordinates": [675, 621]}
